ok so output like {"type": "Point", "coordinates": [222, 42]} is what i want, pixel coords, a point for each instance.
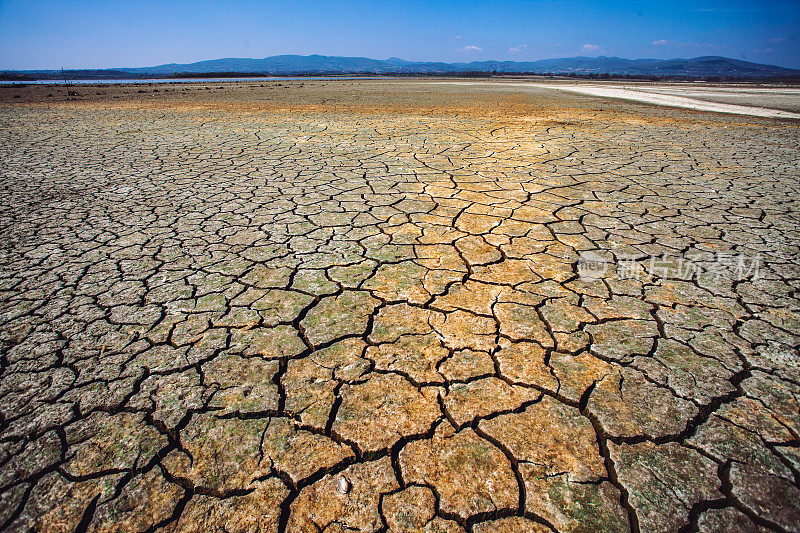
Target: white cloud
{"type": "Point", "coordinates": [776, 40]}
{"type": "Point", "coordinates": [690, 44]}
{"type": "Point", "coordinates": [470, 48]}
{"type": "Point", "coordinates": [517, 49]}
{"type": "Point", "coordinates": [591, 48]}
{"type": "Point", "coordinates": [456, 37]}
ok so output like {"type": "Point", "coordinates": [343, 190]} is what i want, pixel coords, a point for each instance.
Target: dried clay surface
{"type": "Point", "coordinates": [366, 306]}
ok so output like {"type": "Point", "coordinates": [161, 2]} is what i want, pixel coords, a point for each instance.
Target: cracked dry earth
{"type": "Point", "coordinates": [213, 311]}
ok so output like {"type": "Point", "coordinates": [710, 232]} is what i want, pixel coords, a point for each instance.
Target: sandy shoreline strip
{"type": "Point", "coordinates": [672, 101]}
{"type": "Point", "coordinates": [648, 97]}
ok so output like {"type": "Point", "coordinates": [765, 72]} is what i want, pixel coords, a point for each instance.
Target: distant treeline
{"type": "Point", "coordinates": [487, 74]}
{"type": "Point", "coordinates": [58, 75]}
{"type": "Point", "coordinates": [15, 76]}
{"type": "Point", "coordinates": [192, 75]}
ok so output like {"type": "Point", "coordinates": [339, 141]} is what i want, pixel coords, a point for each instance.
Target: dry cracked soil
{"type": "Point", "coordinates": [483, 309]}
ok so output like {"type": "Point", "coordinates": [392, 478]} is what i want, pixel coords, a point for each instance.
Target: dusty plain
{"type": "Point", "coordinates": [221, 299]}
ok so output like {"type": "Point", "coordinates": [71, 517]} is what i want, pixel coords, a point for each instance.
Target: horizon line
{"type": "Point", "coordinates": [395, 58]}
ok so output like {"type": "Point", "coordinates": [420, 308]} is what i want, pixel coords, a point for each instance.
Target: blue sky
{"type": "Point", "coordinates": [100, 34]}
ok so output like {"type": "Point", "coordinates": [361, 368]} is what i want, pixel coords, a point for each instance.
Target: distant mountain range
{"type": "Point", "coordinates": [706, 66]}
